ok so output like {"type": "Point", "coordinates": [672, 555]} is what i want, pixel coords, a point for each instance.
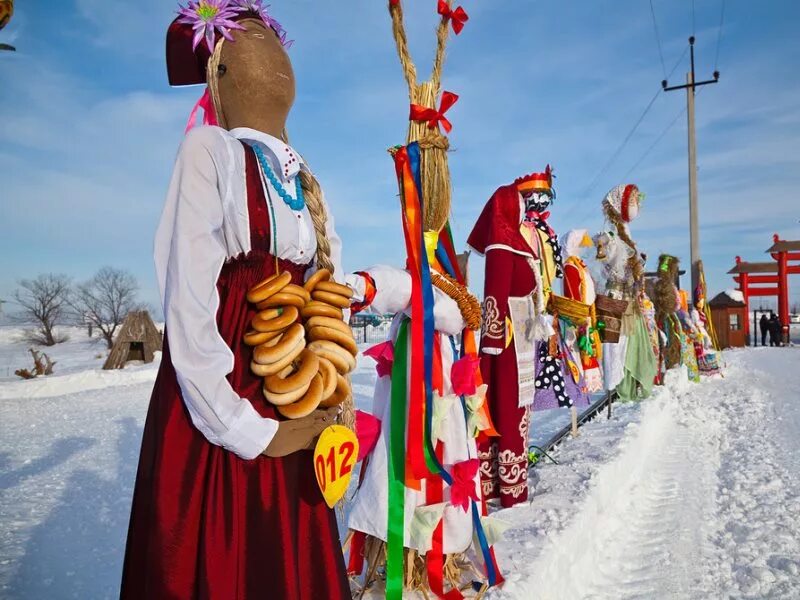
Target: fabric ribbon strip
{"type": "Point", "coordinates": [370, 290]}
{"type": "Point", "coordinates": [209, 117]}
{"type": "Point", "coordinates": [412, 230]}
{"type": "Point", "coordinates": [493, 575]}
{"type": "Point", "coordinates": [397, 465]}
{"type": "Point", "coordinates": [427, 321]}
{"type": "Point", "coordinates": [432, 116]}
{"type": "Point", "coordinates": [458, 17]}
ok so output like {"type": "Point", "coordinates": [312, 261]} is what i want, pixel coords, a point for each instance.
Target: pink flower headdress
{"type": "Point", "coordinates": [207, 21]}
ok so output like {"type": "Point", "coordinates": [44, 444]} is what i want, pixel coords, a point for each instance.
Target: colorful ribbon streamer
{"type": "Point", "coordinates": [396, 464]}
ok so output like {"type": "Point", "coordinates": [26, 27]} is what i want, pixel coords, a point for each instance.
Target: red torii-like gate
{"type": "Point", "coordinates": [752, 276]}
{"type": "Point", "coordinates": [783, 252]}
{"type": "Point", "coordinates": [749, 275]}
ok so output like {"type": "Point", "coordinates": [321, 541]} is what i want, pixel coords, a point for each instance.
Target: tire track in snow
{"type": "Point", "coordinates": [644, 519]}
{"type": "Point", "coordinates": [699, 501]}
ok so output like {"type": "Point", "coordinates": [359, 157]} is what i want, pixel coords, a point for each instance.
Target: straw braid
{"type": "Point", "coordinates": [442, 33]}
{"type": "Point", "coordinates": [319, 217]}
{"type": "Point", "coordinates": [399, 32]}
{"type": "Point", "coordinates": [212, 77]}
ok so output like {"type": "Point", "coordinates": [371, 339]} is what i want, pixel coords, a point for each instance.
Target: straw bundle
{"type": "Point", "coordinates": [434, 170]}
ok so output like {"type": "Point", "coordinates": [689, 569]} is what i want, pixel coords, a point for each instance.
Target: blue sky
{"type": "Point", "coordinates": [89, 126]}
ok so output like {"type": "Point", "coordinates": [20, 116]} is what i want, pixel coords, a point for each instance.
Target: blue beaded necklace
{"type": "Point", "coordinates": [298, 203]}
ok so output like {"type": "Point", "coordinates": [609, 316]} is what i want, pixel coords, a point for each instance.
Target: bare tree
{"type": "Point", "coordinates": [44, 302]}
{"type": "Point", "coordinates": [105, 300]}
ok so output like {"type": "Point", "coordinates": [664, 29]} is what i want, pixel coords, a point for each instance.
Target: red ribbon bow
{"type": "Point", "coordinates": [457, 17]}
{"type": "Point", "coordinates": [432, 116]}
{"type": "Point", "coordinates": [368, 430]}
{"type": "Point", "coordinates": [532, 214]}
{"type": "Point", "coordinates": [463, 489]}
{"type": "Point", "coordinates": [383, 354]}
{"type": "Point", "coordinates": [462, 375]}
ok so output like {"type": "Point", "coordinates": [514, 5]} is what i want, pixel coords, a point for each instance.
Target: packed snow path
{"type": "Point", "coordinates": [700, 499]}
{"type": "Point", "coordinates": [691, 494]}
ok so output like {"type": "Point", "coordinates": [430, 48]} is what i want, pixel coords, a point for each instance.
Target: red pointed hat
{"type": "Point", "coordinates": [537, 182]}
{"type": "Point", "coordinates": [191, 37]}
{"type": "Point", "coordinates": [498, 225]}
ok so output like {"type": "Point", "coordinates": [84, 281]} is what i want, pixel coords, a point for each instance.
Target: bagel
{"type": "Point", "coordinates": [280, 365]}
{"type": "Point", "coordinates": [320, 275]}
{"type": "Point", "coordinates": [256, 338]}
{"type": "Point", "coordinates": [288, 397]}
{"type": "Point", "coordinates": [287, 381]}
{"type": "Point", "coordinates": [334, 288]}
{"type": "Point", "coordinates": [345, 340]}
{"type": "Point", "coordinates": [337, 324]}
{"type": "Point", "coordinates": [307, 404]}
{"type": "Point", "coordinates": [341, 358]}
{"type": "Point", "coordinates": [315, 308]}
{"type": "Point", "coordinates": [282, 299]}
{"type": "Point", "coordinates": [340, 394]}
{"type": "Point", "coordinates": [328, 372]}
{"type": "Point", "coordinates": [297, 291]}
{"type": "Point", "coordinates": [275, 319]}
{"type": "Point", "coordinates": [330, 298]}
{"type": "Point", "coordinates": [267, 354]}
{"type": "Point", "coordinates": [271, 285]}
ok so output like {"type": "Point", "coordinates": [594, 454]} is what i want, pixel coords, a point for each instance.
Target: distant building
{"type": "Point", "coordinates": [729, 315]}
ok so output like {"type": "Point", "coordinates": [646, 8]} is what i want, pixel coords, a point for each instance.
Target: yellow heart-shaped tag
{"type": "Point", "coordinates": [334, 458]}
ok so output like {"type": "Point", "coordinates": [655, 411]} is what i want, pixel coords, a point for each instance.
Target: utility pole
{"type": "Point", "coordinates": [694, 227]}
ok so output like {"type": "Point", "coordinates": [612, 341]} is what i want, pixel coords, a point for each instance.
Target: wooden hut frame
{"type": "Point", "coordinates": [138, 339]}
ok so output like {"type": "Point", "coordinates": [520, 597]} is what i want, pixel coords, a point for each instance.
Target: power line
{"type": "Point", "coordinates": [719, 34]}
{"type": "Point", "coordinates": [619, 149]}
{"type": "Point", "coordinates": [658, 40]}
{"type": "Point", "coordinates": [655, 143]}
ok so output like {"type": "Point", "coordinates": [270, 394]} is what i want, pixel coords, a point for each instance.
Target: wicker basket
{"type": "Point", "coordinates": [574, 310]}
{"type": "Point", "coordinates": [610, 312]}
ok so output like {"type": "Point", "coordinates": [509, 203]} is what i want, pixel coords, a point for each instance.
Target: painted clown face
{"type": "Point", "coordinates": [538, 201]}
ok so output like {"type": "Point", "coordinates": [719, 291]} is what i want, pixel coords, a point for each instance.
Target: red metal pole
{"type": "Point", "coordinates": [745, 289]}
{"type": "Point", "coordinates": [783, 296]}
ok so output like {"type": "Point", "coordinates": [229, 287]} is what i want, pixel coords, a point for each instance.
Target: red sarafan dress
{"type": "Point", "coordinates": [206, 523]}
{"type": "Point", "coordinates": [509, 275]}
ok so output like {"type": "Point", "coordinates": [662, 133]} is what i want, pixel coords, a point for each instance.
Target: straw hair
{"type": "Point", "coordinates": [434, 170]}
{"type": "Point", "coordinates": [212, 77]}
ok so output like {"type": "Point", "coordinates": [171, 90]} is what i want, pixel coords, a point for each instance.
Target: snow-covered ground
{"type": "Point", "coordinates": [694, 493]}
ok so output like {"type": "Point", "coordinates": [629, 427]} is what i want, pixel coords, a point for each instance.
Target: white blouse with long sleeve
{"type": "Point", "coordinates": [204, 224]}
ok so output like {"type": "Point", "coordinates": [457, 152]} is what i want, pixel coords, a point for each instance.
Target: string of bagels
{"type": "Point", "coordinates": [301, 346]}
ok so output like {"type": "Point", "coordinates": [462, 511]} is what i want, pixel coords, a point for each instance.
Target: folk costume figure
{"type": "Point", "coordinates": [707, 360]}
{"type": "Point", "coordinates": [512, 281]}
{"type": "Point", "coordinates": [579, 286]}
{"type": "Point", "coordinates": [667, 302]}
{"type": "Point", "coordinates": [523, 257]}
{"type": "Point", "coordinates": [419, 495]}
{"type": "Point", "coordinates": [559, 380]}
{"type": "Point", "coordinates": [226, 504]}
{"type": "Point", "coordinates": [636, 364]}
{"type": "Point", "coordinates": [691, 337]}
